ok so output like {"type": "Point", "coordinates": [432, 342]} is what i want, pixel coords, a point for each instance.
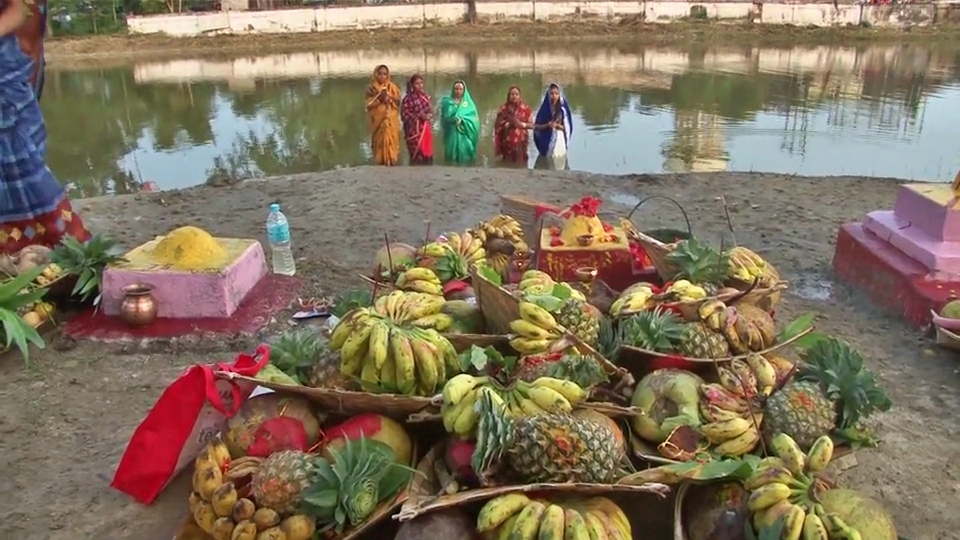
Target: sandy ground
{"type": "Point", "coordinates": [66, 53]}
{"type": "Point", "coordinates": [64, 422]}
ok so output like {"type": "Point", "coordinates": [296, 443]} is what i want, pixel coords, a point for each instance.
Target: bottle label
{"type": "Point", "coordinates": [278, 234]}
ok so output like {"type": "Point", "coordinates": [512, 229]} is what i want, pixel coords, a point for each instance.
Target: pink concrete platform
{"type": "Point", "coordinates": [935, 255]}
{"type": "Point", "coordinates": [270, 296]}
{"type": "Point", "coordinates": [930, 209]}
{"type": "Point", "coordinates": [191, 295]}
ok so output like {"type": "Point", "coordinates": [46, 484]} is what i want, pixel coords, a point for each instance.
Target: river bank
{"type": "Point", "coordinates": [69, 53]}
{"type": "Point", "coordinates": [69, 416]}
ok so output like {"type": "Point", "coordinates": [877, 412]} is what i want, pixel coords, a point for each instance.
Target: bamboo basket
{"type": "Point", "coordinates": [463, 342]}
{"type": "Point", "coordinates": [426, 494]}
{"type": "Point", "coordinates": [638, 355]}
{"type": "Point", "coordinates": [524, 210]}
{"type": "Point", "coordinates": [750, 295]}
{"type": "Point", "coordinates": [346, 402]}
{"type": "Point", "coordinates": [190, 531]}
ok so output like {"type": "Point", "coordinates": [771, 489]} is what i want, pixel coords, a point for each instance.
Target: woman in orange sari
{"type": "Point", "coordinates": [383, 113]}
{"type": "Point", "coordinates": [510, 137]}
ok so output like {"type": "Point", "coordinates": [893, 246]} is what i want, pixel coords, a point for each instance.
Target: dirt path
{"type": "Point", "coordinates": [65, 53]}
{"type": "Point", "coordinates": [64, 422]}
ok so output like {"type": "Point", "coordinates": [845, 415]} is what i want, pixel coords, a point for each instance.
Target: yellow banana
{"type": "Point", "coordinates": [765, 372]}
{"type": "Point", "coordinates": [497, 511]}
{"type": "Point", "coordinates": [529, 330]}
{"type": "Point", "coordinates": [730, 381]}
{"type": "Point", "coordinates": [476, 245]}
{"type": "Point", "coordinates": [739, 445]}
{"type": "Point", "coordinates": [466, 239]}
{"type": "Point", "coordinates": [617, 306]}
{"type": "Point", "coordinates": [767, 496]}
{"type": "Point", "coordinates": [820, 454]}
{"type": "Point", "coordinates": [530, 346]}
{"type": "Point", "coordinates": [769, 474]}
{"type": "Point", "coordinates": [574, 525]}
{"type": "Point", "coordinates": [595, 527]}
{"type": "Point", "coordinates": [528, 522]}
{"type": "Point", "coordinates": [466, 419]}
{"type": "Point", "coordinates": [440, 321]}
{"type": "Point", "coordinates": [552, 523]}
{"type": "Point", "coordinates": [369, 372]}
{"type": "Point", "coordinates": [458, 387]}
{"type": "Point", "coordinates": [720, 432]}
{"type": "Point", "coordinates": [424, 304]}
{"type": "Point", "coordinates": [450, 413]}
{"type": "Point", "coordinates": [813, 528]}
{"type": "Point", "coordinates": [613, 511]}
{"type": "Point", "coordinates": [506, 530]}
{"type": "Point", "coordinates": [613, 532]}
{"type": "Point", "coordinates": [549, 399]}
{"type": "Point", "coordinates": [422, 274]}
{"type": "Point", "coordinates": [450, 355]}
{"type": "Point", "coordinates": [424, 287]}
{"type": "Point", "coordinates": [388, 374]}
{"type": "Point", "coordinates": [568, 389]}
{"type": "Point", "coordinates": [454, 240]}
{"type": "Point", "coordinates": [356, 344]}
{"type": "Point", "coordinates": [746, 375]}
{"type": "Point", "coordinates": [392, 302]}
{"type": "Point", "coordinates": [713, 413]}
{"type": "Point", "coordinates": [403, 356]}
{"type": "Point", "coordinates": [528, 407]}
{"type": "Point", "coordinates": [538, 316]}
{"type": "Point", "coordinates": [793, 524]}
{"type": "Point", "coordinates": [426, 361]}
{"type": "Point", "coordinates": [434, 249]}
{"type": "Point", "coordinates": [787, 449]}
{"type": "Point", "coordinates": [345, 327]}
{"type": "Point", "coordinates": [379, 343]}
{"type": "Point", "coordinates": [768, 517]}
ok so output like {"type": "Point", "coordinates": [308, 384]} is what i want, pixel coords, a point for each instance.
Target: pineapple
{"type": "Point", "coordinates": [326, 373]}
{"type": "Point", "coordinates": [580, 318]}
{"type": "Point", "coordinates": [583, 370]}
{"type": "Point", "coordinates": [656, 330]}
{"type": "Point", "coordinates": [609, 338]}
{"type": "Point", "coordinates": [698, 341]}
{"type": "Point", "coordinates": [295, 352]}
{"type": "Point", "coordinates": [700, 264]}
{"type": "Point", "coordinates": [831, 393]}
{"type": "Point", "coordinates": [555, 447]}
{"type": "Point", "coordinates": [281, 478]}
{"type": "Point", "coordinates": [347, 489]}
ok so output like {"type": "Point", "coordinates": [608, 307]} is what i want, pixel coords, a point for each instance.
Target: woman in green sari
{"type": "Point", "coordinates": [461, 125]}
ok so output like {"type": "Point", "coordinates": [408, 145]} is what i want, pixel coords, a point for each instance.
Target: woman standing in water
{"type": "Point", "coordinates": [461, 125]}
{"type": "Point", "coordinates": [510, 139]}
{"type": "Point", "coordinates": [33, 205]}
{"type": "Point", "coordinates": [553, 128]}
{"type": "Point", "coordinates": [383, 114]}
{"type": "Point", "coordinates": [417, 114]}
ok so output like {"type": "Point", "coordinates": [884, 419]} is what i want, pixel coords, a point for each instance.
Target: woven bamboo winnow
{"type": "Point", "coordinates": [427, 494]}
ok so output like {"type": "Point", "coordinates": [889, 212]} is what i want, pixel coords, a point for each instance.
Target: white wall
{"type": "Point", "coordinates": [418, 15]}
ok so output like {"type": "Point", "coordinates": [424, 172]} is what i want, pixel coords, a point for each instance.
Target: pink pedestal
{"type": "Point", "coordinates": [930, 208]}
{"type": "Point", "coordinates": [191, 295]}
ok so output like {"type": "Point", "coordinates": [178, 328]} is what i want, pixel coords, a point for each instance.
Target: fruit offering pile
{"type": "Point", "coordinates": [545, 404]}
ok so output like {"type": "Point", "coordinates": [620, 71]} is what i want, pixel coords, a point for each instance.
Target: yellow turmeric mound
{"type": "Point", "coordinates": [189, 248]}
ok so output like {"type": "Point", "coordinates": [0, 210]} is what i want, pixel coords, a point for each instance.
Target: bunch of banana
{"type": "Point", "coordinates": [781, 488]}
{"type": "Point", "coordinates": [419, 279]}
{"type": "Point", "coordinates": [50, 273]}
{"type": "Point", "coordinates": [741, 333]}
{"type": "Point", "coordinates": [501, 226]}
{"type": "Point", "coordinates": [684, 291]}
{"type": "Point", "coordinates": [746, 265]}
{"type": "Point", "coordinates": [392, 358]}
{"type": "Point", "coordinates": [537, 282]}
{"type": "Point", "coordinates": [543, 395]}
{"type": "Point", "coordinates": [537, 331]}
{"type": "Point", "coordinates": [468, 245]}
{"type": "Point", "coordinates": [634, 299]}
{"type": "Point", "coordinates": [516, 517]}
{"type": "Point", "coordinates": [750, 377]}
{"type": "Point", "coordinates": [418, 309]}
{"type": "Point", "coordinates": [732, 434]}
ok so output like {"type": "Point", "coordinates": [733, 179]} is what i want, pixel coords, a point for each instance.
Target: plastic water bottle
{"type": "Point", "coordinates": [278, 235]}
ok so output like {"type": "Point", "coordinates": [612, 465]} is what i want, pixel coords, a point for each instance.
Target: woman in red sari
{"type": "Point", "coordinates": [510, 138]}
{"type": "Point", "coordinates": [416, 113]}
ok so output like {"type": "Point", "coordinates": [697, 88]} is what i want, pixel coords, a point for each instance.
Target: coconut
{"type": "Point", "coordinates": [271, 423]}
{"type": "Point", "coordinates": [862, 513]}
{"type": "Point", "coordinates": [951, 310]}
{"type": "Point", "coordinates": [716, 511]}
{"type": "Point", "coordinates": [372, 426]}
{"type": "Point", "coordinates": [398, 254]}
{"type": "Point", "coordinates": [668, 398]}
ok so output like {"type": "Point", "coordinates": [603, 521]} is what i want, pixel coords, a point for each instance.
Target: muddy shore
{"type": "Point", "coordinates": [66, 419]}
{"type": "Point", "coordinates": [68, 53]}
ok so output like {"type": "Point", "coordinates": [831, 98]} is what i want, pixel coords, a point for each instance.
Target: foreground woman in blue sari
{"type": "Point", "coordinates": [553, 128]}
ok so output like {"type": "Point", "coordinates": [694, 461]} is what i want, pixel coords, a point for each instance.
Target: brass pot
{"type": "Point", "coordinates": [139, 307]}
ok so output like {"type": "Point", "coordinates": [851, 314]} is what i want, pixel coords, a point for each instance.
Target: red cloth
{"type": "Point", "coordinates": [417, 131]}
{"type": "Point", "coordinates": [511, 142]}
{"type": "Point", "coordinates": [45, 229]}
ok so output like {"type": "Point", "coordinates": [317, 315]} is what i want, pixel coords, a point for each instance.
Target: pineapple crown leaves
{"type": "Point", "coordinates": [494, 433]}
{"type": "Point", "coordinates": [698, 262]}
{"type": "Point", "coordinates": [361, 476]}
{"type": "Point", "coordinates": [350, 300]}
{"type": "Point", "coordinates": [839, 371]}
{"type": "Point", "coordinates": [609, 338]}
{"type": "Point", "coordinates": [658, 330]}
{"type": "Point", "coordinates": [87, 261]}
{"type": "Point", "coordinates": [582, 370]}
{"type": "Point", "coordinates": [296, 351]}
{"type": "Point", "coordinates": [12, 299]}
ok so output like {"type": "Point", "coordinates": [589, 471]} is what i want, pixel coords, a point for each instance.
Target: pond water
{"type": "Point", "coordinates": [872, 111]}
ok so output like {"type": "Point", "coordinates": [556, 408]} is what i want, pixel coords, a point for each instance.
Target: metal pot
{"type": "Point", "coordinates": [139, 307]}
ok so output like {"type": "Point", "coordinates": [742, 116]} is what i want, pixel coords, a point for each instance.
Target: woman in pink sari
{"type": "Point", "coordinates": [416, 113]}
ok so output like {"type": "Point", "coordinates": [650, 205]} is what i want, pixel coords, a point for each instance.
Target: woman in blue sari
{"type": "Point", "coordinates": [33, 205]}
{"type": "Point", "coordinates": [553, 128]}
{"type": "Point", "coordinates": [461, 125]}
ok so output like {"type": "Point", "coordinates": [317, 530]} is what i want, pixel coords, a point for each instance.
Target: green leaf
{"type": "Point", "coordinates": [797, 327]}
{"type": "Point", "coordinates": [489, 273]}
{"type": "Point", "coordinates": [475, 358]}
{"type": "Point", "coordinates": [548, 302]}
{"type": "Point", "coordinates": [714, 470]}
{"type": "Point", "coordinates": [561, 291]}
{"type": "Point", "coordinates": [19, 333]}
{"type": "Point", "coordinates": [323, 499]}
{"type": "Point", "coordinates": [810, 340]}
{"type": "Point", "coordinates": [12, 287]}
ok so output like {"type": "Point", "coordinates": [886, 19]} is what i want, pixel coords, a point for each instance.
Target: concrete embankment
{"type": "Point", "coordinates": [418, 15]}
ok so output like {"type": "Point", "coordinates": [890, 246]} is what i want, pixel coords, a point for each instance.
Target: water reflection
{"type": "Point", "coordinates": [882, 111]}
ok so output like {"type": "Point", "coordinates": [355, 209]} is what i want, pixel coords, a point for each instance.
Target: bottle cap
{"type": "Point", "coordinates": [274, 207]}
